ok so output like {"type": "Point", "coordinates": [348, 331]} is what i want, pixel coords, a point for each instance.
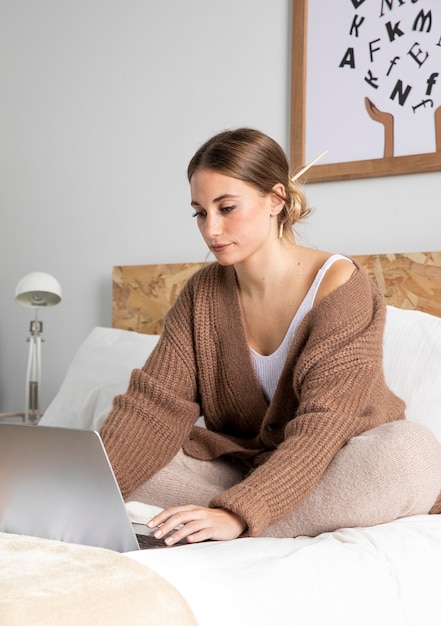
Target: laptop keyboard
{"type": "Point", "coordinates": [147, 542]}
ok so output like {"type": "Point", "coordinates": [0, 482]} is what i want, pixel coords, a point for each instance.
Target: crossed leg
{"type": "Point", "coordinates": [388, 472]}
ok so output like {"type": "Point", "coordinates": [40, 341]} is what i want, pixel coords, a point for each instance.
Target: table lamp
{"type": "Point", "coordinates": [36, 290]}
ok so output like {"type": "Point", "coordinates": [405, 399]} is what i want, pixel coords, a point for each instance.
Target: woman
{"type": "Point", "coordinates": [279, 347]}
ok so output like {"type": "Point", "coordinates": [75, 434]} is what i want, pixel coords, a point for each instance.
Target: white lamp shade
{"type": "Point", "coordinates": [38, 289]}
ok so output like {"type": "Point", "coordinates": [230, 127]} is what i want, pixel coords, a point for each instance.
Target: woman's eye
{"type": "Point", "coordinates": [198, 214]}
{"type": "Point", "coordinates": [227, 209]}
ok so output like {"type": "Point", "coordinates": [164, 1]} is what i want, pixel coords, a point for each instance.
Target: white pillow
{"type": "Point", "coordinates": [98, 372]}
{"type": "Point", "coordinates": [412, 364]}
{"type": "Point", "coordinates": [102, 366]}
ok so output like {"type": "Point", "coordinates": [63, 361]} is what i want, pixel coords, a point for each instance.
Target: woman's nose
{"type": "Point", "coordinates": [212, 226]}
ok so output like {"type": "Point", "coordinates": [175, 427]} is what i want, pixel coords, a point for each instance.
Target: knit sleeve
{"type": "Point", "coordinates": [341, 392]}
{"type": "Point", "coordinates": [149, 423]}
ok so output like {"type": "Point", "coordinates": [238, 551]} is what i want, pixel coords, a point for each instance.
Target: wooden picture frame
{"type": "Point", "coordinates": [305, 17]}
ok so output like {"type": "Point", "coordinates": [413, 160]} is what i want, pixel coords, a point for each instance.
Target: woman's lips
{"type": "Point", "coordinates": [219, 247]}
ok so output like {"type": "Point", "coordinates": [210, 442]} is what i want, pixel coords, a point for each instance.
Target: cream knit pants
{"type": "Point", "coordinates": [388, 472]}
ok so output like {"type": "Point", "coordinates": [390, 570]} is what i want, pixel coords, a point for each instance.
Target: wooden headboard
{"type": "Point", "coordinates": [142, 294]}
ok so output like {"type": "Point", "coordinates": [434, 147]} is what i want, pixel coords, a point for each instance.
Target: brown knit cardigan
{"type": "Point", "coordinates": [332, 388]}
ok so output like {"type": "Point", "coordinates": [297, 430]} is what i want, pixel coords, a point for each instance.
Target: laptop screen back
{"type": "Point", "coordinates": [57, 483]}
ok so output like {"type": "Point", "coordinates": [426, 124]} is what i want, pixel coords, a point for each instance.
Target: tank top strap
{"type": "Point", "coordinates": [308, 301]}
{"type": "Point", "coordinates": [312, 292]}
{"type": "Point", "coordinates": [268, 368]}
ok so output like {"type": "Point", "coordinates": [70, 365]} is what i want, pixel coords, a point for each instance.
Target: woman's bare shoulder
{"type": "Point", "coordinates": [337, 275]}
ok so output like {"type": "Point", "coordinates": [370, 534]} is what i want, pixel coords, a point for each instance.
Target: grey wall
{"type": "Point", "coordinates": [102, 103]}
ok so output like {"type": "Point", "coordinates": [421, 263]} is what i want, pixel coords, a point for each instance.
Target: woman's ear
{"type": "Point", "coordinates": [278, 198]}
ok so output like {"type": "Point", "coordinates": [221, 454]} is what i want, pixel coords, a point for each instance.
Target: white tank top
{"type": "Point", "coordinates": [268, 368]}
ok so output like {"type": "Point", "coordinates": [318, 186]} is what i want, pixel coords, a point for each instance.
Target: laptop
{"type": "Point", "coordinates": [57, 483]}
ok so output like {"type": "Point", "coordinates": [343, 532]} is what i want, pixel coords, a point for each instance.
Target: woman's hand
{"type": "Point", "coordinates": [196, 523]}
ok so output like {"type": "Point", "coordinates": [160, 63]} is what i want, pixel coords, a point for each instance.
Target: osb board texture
{"type": "Point", "coordinates": [408, 281]}
{"type": "Point", "coordinates": [142, 294]}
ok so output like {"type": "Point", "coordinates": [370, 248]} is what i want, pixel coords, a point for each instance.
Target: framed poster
{"type": "Point", "coordinates": [366, 87]}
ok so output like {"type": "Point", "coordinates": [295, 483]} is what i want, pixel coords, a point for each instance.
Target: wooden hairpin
{"type": "Point", "coordinates": [303, 170]}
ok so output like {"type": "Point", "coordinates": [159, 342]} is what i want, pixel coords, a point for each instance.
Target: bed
{"type": "Point", "coordinates": [386, 575]}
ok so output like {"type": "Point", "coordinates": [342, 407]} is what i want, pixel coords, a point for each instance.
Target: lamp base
{"type": "Point", "coordinates": [33, 377]}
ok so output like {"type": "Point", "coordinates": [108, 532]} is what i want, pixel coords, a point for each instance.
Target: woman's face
{"type": "Point", "coordinates": [234, 218]}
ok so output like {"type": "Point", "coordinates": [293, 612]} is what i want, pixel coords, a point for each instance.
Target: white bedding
{"type": "Point", "coordinates": [387, 575]}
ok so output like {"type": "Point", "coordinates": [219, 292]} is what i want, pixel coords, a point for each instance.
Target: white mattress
{"type": "Point", "coordinates": [385, 575]}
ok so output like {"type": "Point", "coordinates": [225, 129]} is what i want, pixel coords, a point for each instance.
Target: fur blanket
{"type": "Point", "coordinates": [48, 583]}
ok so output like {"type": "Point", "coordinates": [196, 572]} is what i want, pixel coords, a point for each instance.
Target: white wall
{"type": "Point", "coordinates": [102, 103]}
